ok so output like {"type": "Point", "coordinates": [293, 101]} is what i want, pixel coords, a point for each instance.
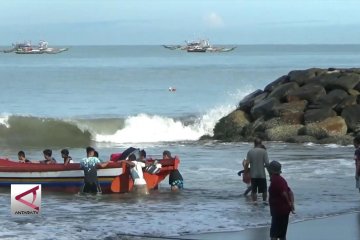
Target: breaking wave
{"type": "Point", "coordinates": [38, 131]}
{"type": "Point", "coordinates": [35, 131]}
{"type": "Point", "coordinates": [145, 128]}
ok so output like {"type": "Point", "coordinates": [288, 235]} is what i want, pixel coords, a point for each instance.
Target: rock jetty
{"type": "Point", "coordinates": [314, 105]}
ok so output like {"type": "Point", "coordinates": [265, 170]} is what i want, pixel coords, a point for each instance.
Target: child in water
{"type": "Point", "coordinates": [176, 181]}
{"type": "Point", "coordinates": [246, 177]}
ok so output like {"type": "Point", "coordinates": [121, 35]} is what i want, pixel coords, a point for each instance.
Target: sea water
{"type": "Point", "coordinates": [113, 97]}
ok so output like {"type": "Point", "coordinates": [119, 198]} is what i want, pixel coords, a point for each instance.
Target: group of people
{"type": "Point", "coordinates": [48, 159]}
{"type": "Point", "coordinates": [281, 197]}
{"type": "Point", "coordinates": [134, 158]}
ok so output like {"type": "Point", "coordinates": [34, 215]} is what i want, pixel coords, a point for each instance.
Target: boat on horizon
{"type": "Point", "coordinates": [114, 178]}
{"type": "Point", "coordinates": [27, 48]}
{"type": "Point", "coordinates": [201, 45]}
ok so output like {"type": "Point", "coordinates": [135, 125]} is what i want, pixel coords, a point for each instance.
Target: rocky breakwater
{"type": "Point", "coordinates": [313, 105]}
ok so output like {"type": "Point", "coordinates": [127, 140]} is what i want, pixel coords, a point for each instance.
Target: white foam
{"type": "Point", "coordinates": [4, 118]}
{"type": "Point", "coordinates": [333, 145]}
{"type": "Point", "coordinates": [144, 128]}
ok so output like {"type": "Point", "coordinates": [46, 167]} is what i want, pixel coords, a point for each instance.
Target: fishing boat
{"type": "Point", "coordinates": [28, 48]}
{"type": "Point", "coordinates": [114, 178]}
{"type": "Point", "coordinates": [201, 45]}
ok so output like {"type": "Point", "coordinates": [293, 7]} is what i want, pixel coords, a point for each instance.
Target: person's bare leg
{"type": "Point", "coordinates": [247, 191]}
{"type": "Point", "coordinates": [264, 195]}
{"type": "Point", "coordinates": [254, 196]}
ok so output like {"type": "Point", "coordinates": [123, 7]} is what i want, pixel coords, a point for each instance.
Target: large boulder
{"type": "Point", "coordinates": [264, 108]}
{"type": "Point", "coordinates": [309, 92]}
{"type": "Point", "coordinates": [281, 91]}
{"type": "Point", "coordinates": [330, 127]}
{"type": "Point", "coordinates": [292, 117]}
{"type": "Point", "coordinates": [314, 131]}
{"type": "Point", "coordinates": [351, 114]}
{"type": "Point", "coordinates": [254, 128]}
{"type": "Point", "coordinates": [248, 102]}
{"type": "Point", "coordinates": [282, 132]}
{"type": "Point", "coordinates": [348, 101]}
{"type": "Point", "coordinates": [281, 80]}
{"type": "Point", "coordinates": [271, 123]}
{"type": "Point", "coordinates": [291, 107]}
{"type": "Point", "coordinates": [317, 115]}
{"type": "Point", "coordinates": [353, 92]}
{"type": "Point", "coordinates": [330, 100]}
{"type": "Point", "coordinates": [357, 87]}
{"type": "Point", "coordinates": [231, 126]}
{"type": "Point", "coordinates": [342, 81]}
{"type": "Point", "coordinates": [352, 70]}
{"type": "Point", "coordinates": [302, 77]}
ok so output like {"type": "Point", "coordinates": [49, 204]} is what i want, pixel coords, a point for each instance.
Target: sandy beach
{"type": "Point", "coordinates": [345, 226]}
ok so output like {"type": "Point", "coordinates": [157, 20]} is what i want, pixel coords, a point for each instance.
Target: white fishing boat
{"type": "Point", "coordinates": [201, 45]}
{"type": "Point", "coordinates": [28, 48]}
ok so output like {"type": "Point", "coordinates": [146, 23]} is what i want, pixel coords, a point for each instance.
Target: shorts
{"type": "Point", "coordinates": [279, 226]}
{"type": "Point", "coordinates": [177, 183]}
{"type": "Point", "coordinates": [258, 185]}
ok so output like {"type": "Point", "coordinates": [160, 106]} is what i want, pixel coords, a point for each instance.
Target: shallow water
{"type": "Point", "coordinates": [321, 177]}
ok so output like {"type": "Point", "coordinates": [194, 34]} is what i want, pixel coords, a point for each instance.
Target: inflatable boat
{"type": "Point", "coordinates": [114, 178]}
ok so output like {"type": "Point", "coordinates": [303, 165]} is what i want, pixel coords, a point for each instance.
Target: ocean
{"type": "Point", "coordinates": [113, 97]}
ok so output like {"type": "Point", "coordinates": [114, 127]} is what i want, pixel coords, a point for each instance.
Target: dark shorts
{"type": "Point", "coordinates": [258, 185]}
{"type": "Point", "coordinates": [91, 188]}
{"type": "Point", "coordinates": [279, 226]}
{"type": "Point", "coordinates": [178, 183]}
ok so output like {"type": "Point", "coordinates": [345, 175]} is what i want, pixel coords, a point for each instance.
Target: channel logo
{"type": "Point", "coordinates": [25, 199]}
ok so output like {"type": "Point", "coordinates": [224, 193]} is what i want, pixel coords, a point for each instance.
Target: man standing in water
{"type": "Point", "coordinates": [258, 160]}
{"type": "Point", "coordinates": [357, 161]}
{"type": "Point", "coordinates": [89, 164]}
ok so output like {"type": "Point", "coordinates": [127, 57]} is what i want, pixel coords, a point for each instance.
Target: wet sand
{"type": "Point", "coordinates": [345, 226]}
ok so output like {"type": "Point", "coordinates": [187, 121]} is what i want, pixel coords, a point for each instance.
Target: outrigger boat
{"type": "Point", "coordinates": [27, 48]}
{"type": "Point", "coordinates": [114, 178]}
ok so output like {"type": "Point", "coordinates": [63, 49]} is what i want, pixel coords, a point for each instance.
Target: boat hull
{"type": "Point", "coordinates": [70, 178]}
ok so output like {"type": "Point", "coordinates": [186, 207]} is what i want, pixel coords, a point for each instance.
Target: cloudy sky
{"type": "Point", "coordinates": [112, 22]}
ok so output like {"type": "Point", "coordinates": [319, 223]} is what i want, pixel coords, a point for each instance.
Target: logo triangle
{"type": "Point", "coordinates": [30, 204]}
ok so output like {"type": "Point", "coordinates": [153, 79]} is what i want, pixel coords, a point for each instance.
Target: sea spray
{"type": "Point", "coordinates": [145, 128]}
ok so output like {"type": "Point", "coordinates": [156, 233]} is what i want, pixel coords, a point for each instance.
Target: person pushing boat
{"type": "Point", "coordinates": [89, 164]}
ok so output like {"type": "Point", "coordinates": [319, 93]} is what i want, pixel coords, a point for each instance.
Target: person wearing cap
{"type": "Point", "coordinates": [281, 202]}
{"type": "Point", "coordinates": [176, 180]}
{"type": "Point", "coordinates": [258, 160]}
{"type": "Point", "coordinates": [66, 157]}
{"type": "Point", "coordinates": [357, 161]}
{"type": "Point", "coordinates": [89, 165]}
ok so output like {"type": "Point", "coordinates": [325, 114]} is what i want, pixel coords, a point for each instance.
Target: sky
{"type": "Point", "coordinates": [153, 22]}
